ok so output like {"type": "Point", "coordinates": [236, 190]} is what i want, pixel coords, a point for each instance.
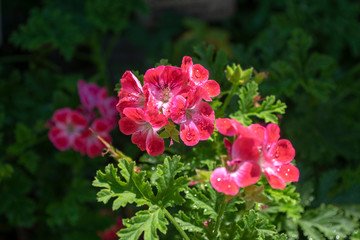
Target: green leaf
{"type": "Point", "coordinates": [269, 108]}
{"type": "Point", "coordinates": [326, 221]}
{"type": "Point", "coordinates": [245, 102]}
{"type": "Point", "coordinates": [200, 201]}
{"type": "Point", "coordinates": [147, 221]}
{"type": "Point", "coordinates": [133, 189]}
{"type": "Point", "coordinates": [188, 226]}
{"type": "Point", "coordinates": [287, 201]}
{"type": "Point", "coordinates": [251, 226]}
{"type": "Point", "coordinates": [49, 26]}
{"type": "Point", "coordinates": [168, 186]}
{"type": "Point", "coordinates": [248, 107]}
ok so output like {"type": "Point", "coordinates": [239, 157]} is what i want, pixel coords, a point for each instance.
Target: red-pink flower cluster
{"type": "Point", "coordinates": [168, 94]}
{"type": "Point", "coordinates": [70, 128]}
{"type": "Point", "coordinates": [255, 150]}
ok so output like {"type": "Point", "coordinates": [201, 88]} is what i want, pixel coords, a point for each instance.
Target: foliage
{"type": "Point", "coordinates": [307, 53]}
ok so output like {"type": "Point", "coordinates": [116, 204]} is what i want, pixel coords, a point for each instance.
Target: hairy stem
{"type": "Point", "coordinates": [177, 226]}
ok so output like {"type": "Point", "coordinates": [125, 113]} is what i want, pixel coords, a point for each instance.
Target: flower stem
{"type": "Point", "coordinates": [177, 226]}
{"type": "Point", "coordinates": [220, 215]}
{"type": "Point", "coordinates": [228, 98]}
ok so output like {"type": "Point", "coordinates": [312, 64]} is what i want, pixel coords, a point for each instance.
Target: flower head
{"type": "Point", "coordinates": [67, 125]}
{"type": "Point", "coordinates": [199, 77]}
{"type": "Point", "coordinates": [143, 125]}
{"type": "Point", "coordinates": [88, 142]}
{"type": "Point", "coordinates": [256, 150]}
{"type": "Point", "coordinates": [194, 116]}
{"type": "Point", "coordinates": [131, 93]}
{"type": "Point", "coordinates": [164, 83]}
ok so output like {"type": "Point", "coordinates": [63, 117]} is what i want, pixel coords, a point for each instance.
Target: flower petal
{"type": "Point", "coordinates": [135, 114]}
{"type": "Point", "coordinates": [288, 172]}
{"type": "Point", "coordinates": [156, 119]}
{"type": "Point", "coordinates": [100, 126]}
{"type": "Point", "coordinates": [154, 144]}
{"type": "Point", "coordinates": [139, 138]}
{"type": "Point", "coordinates": [189, 133]}
{"type": "Point", "coordinates": [152, 79]}
{"type": "Point", "coordinates": [248, 173]}
{"type": "Point", "coordinates": [222, 182]}
{"type": "Point", "coordinates": [275, 181]}
{"type": "Point", "coordinates": [225, 126]}
{"type": "Point", "coordinates": [61, 115]}
{"type": "Point", "coordinates": [204, 125]}
{"type": "Point", "coordinates": [128, 126]}
{"type": "Point", "coordinates": [258, 131]}
{"type": "Point", "coordinates": [78, 120]}
{"type": "Point", "coordinates": [272, 133]}
{"type": "Point", "coordinates": [282, 151]}
{"type": "Point", "coordinates": [59, 139]}
{"type": "Point", "coordinates": [212, 87]}
{"type": "Point", "coordinates": [177, 113]}
{"type": "Point", "coordinates": [199, 73]}
{"type": "Point", "coordinates": [186, 63]}
{"type": "Point", "coordinates": [206, 110]}
{"type": "Point", "coordinates": [130, 83]}
{"type": "Point", "coordinates": [245, 149]}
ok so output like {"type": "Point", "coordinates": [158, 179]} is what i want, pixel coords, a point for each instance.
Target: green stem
{"type": "Point", "coordinates": [177, 226]}
{"type": "Point", "coordinates": [228, 98]}
{"type": "Point", "coordinates": [220, 215]}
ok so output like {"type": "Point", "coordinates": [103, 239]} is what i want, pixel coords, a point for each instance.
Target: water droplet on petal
{"type": "Point", "coordinates": [229, 186]}
{"type": "Point", "coordinates": [218, 179]}
{"type": "Point", "coordinates": [278, 169]}
{"type": "Point", "coordinates": [286, 174]}
{"type": "Point", "coordinates": [288, 169]}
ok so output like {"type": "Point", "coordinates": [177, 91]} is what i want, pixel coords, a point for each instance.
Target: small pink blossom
{"type": "Point", "coordinates": [199, 77]}
{"type": "Point", "coordinates": [194, 116]}
{"type": "Point", "coordinates": [131, 94]}
{"type": "Point", "coordinates": [88, 93]}
{"type": "Point", "coordinates": [164, 83]}
{"type": "Point", "coordinates": [256, 150]}
{"type": "Point", "coordinates": [88, 142]}
{"type": "Point", "coordinates": [67, 125]}
{"type": "Point", "coordinates": [143, 125]}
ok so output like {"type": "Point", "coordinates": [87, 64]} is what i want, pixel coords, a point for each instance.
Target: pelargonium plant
{"type": "Point", "coordinates": [213, 168]}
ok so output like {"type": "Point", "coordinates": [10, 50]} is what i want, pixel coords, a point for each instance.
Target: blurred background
{"type": "Point", "coordinates": [311, 50]}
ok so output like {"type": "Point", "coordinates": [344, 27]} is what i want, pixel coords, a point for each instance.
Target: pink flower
{"type": "Point", "coordinates": [164, 82]}
{"type": "Point", "coordinates": [88, 143]}
{"type": "Point", "coordinates": [194, 116]}
{"type": "Point", "coordinates": [88, 93]}
{"type": "Point", "coordinates": [143, 125]}
{"type": "Point", "coordinates": [256, 149]}
{"type": "Point", "coordinates": [131, 94]}
{"type": "Point", "coordinates": [67, 125]}
{"type": "Point", "coordinates": [277, 155]}
{"type": "Point", "coordinates": [242, 170]}
{"type": "Point", "coordinates": [107, 108]}
{"type": "Point", "coordinates": [199, 77]}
